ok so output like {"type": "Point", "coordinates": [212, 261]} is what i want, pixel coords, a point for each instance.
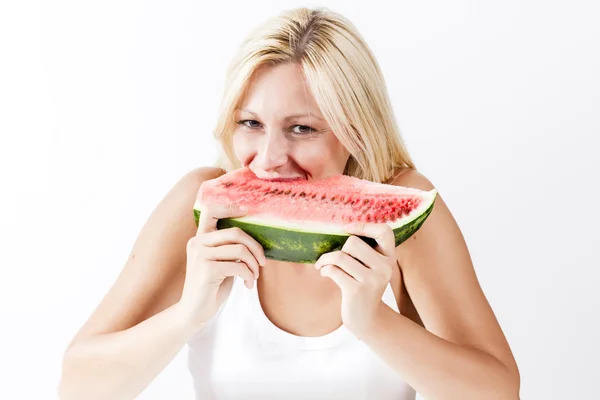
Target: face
{"type": "Point", "coordinates": [281, 133]}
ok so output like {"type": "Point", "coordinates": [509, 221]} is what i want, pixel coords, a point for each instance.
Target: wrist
{"type": "Point", "coordinates": [185, 319]}
{"type": "Point", "coordinates": [377, 322]}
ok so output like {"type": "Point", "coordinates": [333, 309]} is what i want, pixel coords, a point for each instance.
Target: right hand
{"type": "Point", "coordinates": [214, 257]}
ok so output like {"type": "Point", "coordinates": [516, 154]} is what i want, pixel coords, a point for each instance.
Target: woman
{"type": "Point", "coordinates": [304, 99]}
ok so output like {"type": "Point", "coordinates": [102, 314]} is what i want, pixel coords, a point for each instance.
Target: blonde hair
{"type": "Point", "coordinates": [343, 76]}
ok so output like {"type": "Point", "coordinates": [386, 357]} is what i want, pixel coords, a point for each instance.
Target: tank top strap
{"type": "Point", "coordinates": [389, 298]}
{"type": "Point", "coordinates": [235, 295]}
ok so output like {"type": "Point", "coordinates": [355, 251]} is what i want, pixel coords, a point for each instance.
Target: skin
{"type": "Point", "coordinates": [281, 133]}
{"type": "Point", "coordinates": [462, 354]}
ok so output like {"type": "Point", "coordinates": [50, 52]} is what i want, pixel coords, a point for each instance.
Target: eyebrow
{"type": "Point", "coordinates": [289, 116]}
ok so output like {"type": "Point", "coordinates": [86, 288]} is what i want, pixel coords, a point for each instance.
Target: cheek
{"type": "Point", "coordinates": [320, 158]}
{"type": "Point", "coordinates": [242, 147]}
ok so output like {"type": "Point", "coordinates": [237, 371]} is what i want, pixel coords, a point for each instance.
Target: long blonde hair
{"type": "Point", "coordinates": [343, 76]}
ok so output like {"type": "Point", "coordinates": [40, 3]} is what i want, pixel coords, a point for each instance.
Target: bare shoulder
{"type": "Point", "coordinates": [409, 177]}
{"type": "Point", "coordinates": [440, 220]}
{"type": "Point", "coordinates": [438, 247]}
{"type": "Point", "coordinates": [440, 278]}
{"type": "Point", "coordinates": [153, 274]}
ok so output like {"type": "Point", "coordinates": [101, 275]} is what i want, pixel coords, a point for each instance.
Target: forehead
{"type": "Point", "coordinates": [279, 91]}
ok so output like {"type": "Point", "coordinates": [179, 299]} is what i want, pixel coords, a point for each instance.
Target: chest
{"type": "Point", "coordinates": [302, 302]}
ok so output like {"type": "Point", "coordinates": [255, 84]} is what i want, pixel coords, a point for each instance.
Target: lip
{"type": "Point", "coordinates": [275, 177]}
{"type": "Point", "coordinates": [279, 179]}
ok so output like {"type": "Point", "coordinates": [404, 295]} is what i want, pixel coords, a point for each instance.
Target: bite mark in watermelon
{"type": "Point", "coordinates": [298, 221]}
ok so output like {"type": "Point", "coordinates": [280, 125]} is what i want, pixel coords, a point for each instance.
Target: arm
{"type": "Point", "coordinates": [463, 354]}
{"type": "Point", "coordinates": [137, 329]}
{"type": "Point", "coordinates": [435, 367]}
{"type": "Point", "coordinates": [120, 365]}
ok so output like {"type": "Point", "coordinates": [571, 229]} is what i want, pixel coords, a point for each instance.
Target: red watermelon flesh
{"type": "Point", "coordinates": [325, 205]}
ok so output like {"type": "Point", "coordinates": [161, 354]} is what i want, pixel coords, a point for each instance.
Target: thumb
{"type": "Point", "coordinates": [214, 212]}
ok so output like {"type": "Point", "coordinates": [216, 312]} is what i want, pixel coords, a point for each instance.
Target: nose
{"type": "Point", "coordinates": [272, 152]}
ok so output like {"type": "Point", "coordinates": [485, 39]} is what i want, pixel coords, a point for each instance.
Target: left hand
{"type": "Point", "coordinates": [362, 273]}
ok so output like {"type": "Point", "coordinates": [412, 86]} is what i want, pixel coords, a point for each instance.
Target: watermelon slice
{"type": "Point", "coordinates": [298, 221]}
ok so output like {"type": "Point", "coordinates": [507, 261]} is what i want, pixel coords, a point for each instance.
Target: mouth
{"type": "Point", "coordinates": [279, 179]}
{"type": "Point", "coordinates": [274, 177]}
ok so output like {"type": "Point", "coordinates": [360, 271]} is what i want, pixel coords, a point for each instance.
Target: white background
{"type": "Point", "coordinates": [104, 105]}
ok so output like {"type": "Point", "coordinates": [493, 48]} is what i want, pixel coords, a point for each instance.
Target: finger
{"type": "Point", "coordinates": [336, 274]}
{"type": "Point", "coordinates": [382, 233]}
{"type": "Point", "coordinates": [358, 249]}
{"type": "Point", "coordinates": [232, 268]}
{"type": "Point", "coordinates": [236, 235]}
{"type": "Point", "coordinates": [214, 212]}
{"type": "Point", "coordinates": [351, 266]}
{"type": "Point", "coordinates": [233, 252]}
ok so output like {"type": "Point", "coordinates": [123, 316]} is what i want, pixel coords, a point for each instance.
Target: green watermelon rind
{"type": "Point", "coordinates": [292, 245]}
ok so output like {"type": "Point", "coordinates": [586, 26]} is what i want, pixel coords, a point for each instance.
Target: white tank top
{"type": "Point", "coordinates": [241, 354]}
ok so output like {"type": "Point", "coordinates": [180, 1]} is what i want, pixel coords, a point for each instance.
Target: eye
{"type": "Point", "coordinates": [249, 123]}
{"type": "Point", "coordinates": [303, 129]}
